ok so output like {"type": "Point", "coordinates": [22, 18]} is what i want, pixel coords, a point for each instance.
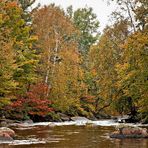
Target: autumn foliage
{"type": "Point", "coordinates": [53, 61]}
{"type": "Point", "coordinates": [34, 103]}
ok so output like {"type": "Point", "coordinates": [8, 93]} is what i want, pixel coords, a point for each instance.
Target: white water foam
{"type": "Point", "coordinates": [27, 142]}
{"type": "Point", "coordinates": [23, 142]}
{"type": "Point", "coordinates": [82, 123]}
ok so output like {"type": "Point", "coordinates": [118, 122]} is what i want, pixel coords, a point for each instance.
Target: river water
{"type": "Point", "coordinates": [71, 135]}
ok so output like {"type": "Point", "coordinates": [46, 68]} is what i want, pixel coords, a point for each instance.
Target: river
{"type": "Point", "coordinates": [71, 135]}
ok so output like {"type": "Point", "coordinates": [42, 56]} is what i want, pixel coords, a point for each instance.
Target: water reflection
{"type": "Point", "coordinates": [131, 143]}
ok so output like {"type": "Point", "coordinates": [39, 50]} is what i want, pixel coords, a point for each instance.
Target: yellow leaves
{"type": "Point", "coordinates": [59, 54]}
{"type": "Point", "coordinates": [20, 22]}
{"type": "Point", "coordinates": [33, 38]}
{"type": "Point", "coordinates": [94, 72]}
{"type": "Point", "coordinates": [27, 62]}
{"type": "Point", "coordinates": [122, 68]}
{"type": "Point", "coordinates": [136, 42]}
{"type": "Point", "coordinates": [132, 71]}
{"type": "Point", "coordinates": [4, 101]}
{"type": "Point", "coordinates": [1, 19]}
{"type": "Point", "coordinates": [19, 43]}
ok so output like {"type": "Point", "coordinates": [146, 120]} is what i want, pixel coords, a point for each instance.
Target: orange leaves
{"type": "Point", "coordinates": [11, 5]}
{"type": "Point", "coordinates": [17, 104]}
{"type": "Point", "coordinates": [60, 58]}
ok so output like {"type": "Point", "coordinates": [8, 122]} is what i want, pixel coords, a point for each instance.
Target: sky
{"type": "Point", "coordinates": [100, 8]}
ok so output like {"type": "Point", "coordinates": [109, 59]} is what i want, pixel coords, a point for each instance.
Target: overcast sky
{"type": "Point", "coordinates": [100, 7]}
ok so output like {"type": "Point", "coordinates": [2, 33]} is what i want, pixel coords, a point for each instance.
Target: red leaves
{"type": "Point", "coordinates": [35, 103]}
{"type": "Point", "coordinates": [16, 104]}
{"type": "Point", "coordinates": [37, 100]}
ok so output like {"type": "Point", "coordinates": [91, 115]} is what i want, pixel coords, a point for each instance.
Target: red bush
{"type": "Point", "coordinates": [34, 103]}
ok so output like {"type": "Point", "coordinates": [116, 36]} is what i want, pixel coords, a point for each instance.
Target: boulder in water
{"type": "Point", "coordinates": [6, 134]}
{"type": "Point", "coordinates": [130, 132]}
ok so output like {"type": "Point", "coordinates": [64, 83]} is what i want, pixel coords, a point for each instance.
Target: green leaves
{"type": "Point", "coordinates": [17, 58]}
{"type": "Point", "coordinates": [86, 21]}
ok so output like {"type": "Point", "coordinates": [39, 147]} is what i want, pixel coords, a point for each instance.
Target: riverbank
{"type": "Point", "coordinates": [74, 121]}
{"type": "Point", "coordinates": [64, 120]}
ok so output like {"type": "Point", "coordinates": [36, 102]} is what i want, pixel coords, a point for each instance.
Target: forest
{"type": "Point", "coordinates": [56, 61]}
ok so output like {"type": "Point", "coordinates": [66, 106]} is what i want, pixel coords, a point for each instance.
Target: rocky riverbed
{"type": "Point", "coordinates": [80, 132]}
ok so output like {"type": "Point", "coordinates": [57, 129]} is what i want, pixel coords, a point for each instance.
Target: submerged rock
{"type": "Point", "coordinates": [130, 132]}
{"type": "Point", "coordinates": [6, 134]}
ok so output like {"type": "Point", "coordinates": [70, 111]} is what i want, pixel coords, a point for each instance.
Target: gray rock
{"type": "Point", "coordinates": [51, 125]}
{"type": "Point", "coordinates": [28, 121]}
{"type": "Point", "coordinates": [6, 134]}
{"type": "Point", "coordinates": [5, 138]}
{"type": "Point", "coordinates": [64, 117]}
{"type": "Point", "coordinates": [6, 122]}
{"type": "Point", "coordinates": [3, 123]}
{"type": "Point", "coordinates": [102, 115]}
{"type": "Point", "coordinates": [130, 132]}
{"type": "Point", "coordinates": [79, 119]}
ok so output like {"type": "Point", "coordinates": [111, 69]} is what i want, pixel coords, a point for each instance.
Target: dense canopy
{"type": "Point", "coordinates": [54, 61]}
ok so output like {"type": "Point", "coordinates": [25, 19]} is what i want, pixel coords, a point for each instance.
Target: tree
{"type": "Point", "coordinates": [103, 59]}
{"type": "Point", "coordinates": [25, 4]}
{"type": "Point", "coordinates": [86, 22]}
{"type": "Point", "coordinates": [7, 63]}
{"type": "Point", "coordinates": [133, 71]}
{"type": "Point", "coordinates": [17, 57]}
{"type": "Point", "coordinates": [34, 105]}
{"type": "Point", "coordinates": [136, 12]}
{"type": "Point", "coordinates": [60, 60]}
